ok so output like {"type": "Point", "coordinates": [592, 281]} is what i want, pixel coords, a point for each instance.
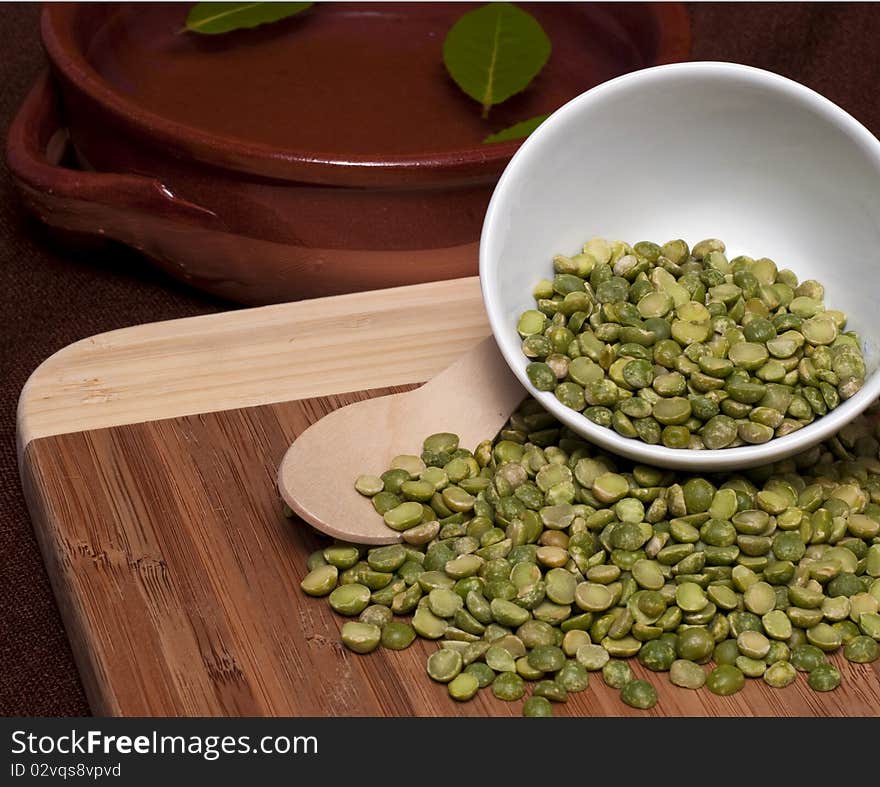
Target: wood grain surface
{"type": "Point", "coordinates": [252, 357]}
{"type": "Point", "coordinates": [177, 574]}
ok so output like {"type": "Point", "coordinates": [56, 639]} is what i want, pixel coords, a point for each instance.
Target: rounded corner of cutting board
{"type": "Point", "coordinates": [51, 373]}
{"type": "Point", "coordinates": [48, 373]}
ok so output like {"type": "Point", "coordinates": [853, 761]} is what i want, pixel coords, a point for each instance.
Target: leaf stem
{"type": "Point", "coordinates": [487, 96]}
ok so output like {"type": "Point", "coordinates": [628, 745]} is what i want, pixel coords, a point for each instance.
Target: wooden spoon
{"type": "Point", "coordinates": [472, 398]}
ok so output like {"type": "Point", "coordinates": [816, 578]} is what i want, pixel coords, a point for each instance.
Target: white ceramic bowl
{"type": "Point", "coordinates": [694, 150]}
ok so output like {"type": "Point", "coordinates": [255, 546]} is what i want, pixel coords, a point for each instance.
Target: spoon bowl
{"type": "Point", "coordinates": [472, 398]}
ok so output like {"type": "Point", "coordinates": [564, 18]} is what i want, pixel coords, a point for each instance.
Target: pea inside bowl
{"type": "Point", "coordinates": [693, 151]}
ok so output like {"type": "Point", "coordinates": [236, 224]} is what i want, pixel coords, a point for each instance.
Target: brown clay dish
{"type": "Point", "coordinates": [328, 153]}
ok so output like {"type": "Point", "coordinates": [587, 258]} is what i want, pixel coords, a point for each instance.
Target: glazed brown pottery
{"type": "Point", "coordinates": [323, 154]}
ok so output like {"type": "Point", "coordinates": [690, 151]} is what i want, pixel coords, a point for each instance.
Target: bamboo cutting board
{"type": "Point", "coordinates": [148, 457]}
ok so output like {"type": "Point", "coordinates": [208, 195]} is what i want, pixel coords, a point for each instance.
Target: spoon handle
{"type": "Point", "coordinates": [478, 392]}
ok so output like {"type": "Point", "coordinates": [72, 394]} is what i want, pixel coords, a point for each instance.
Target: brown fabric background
{"type": "Point", "coordinates": [52, 296]}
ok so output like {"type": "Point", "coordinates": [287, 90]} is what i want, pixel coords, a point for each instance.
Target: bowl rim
{"type": "Point", "coordinates": [68, 60]}
{"type": "Point", "coordinates": [704, 460]}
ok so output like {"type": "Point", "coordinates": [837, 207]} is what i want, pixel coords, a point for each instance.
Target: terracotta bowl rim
{"type": "Point", "coordinates": [673, 24]}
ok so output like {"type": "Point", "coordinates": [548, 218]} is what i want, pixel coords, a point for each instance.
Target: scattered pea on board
{"type": "Point", "coordinates": [538, 559]}
{"type": "Point", "coordinates": [683, 347]}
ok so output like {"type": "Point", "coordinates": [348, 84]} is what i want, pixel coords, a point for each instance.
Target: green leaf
{"type": "Point", "coordinates": [517, 131]}
{"type": "Point", "coordinates": [494, 52]}
{"type": "Point", "coordinates": [212, 18]}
